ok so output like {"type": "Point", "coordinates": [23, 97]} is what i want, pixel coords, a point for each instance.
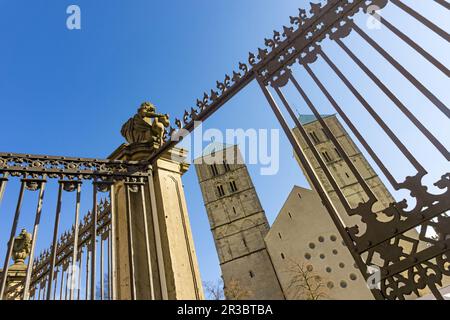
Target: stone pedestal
{"type": "Point", "coordinates": [173, 260]}
{"type": "Point", "coordinates": [15, 281]}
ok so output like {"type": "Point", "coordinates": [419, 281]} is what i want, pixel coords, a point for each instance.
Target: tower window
{"type": "Point", "coordinates": [234, 210]}
{"type": "Point", "coordinates": [220, 191]}
{"type": "Point", "coordinates": [279, 234]}
{"type": "Point", "coordinates": [347, 175]}
{"type": "Point", "coordinates": [290, 215]}
{"type": "Point", "coordinates": [214, 170]}
{"type": "Point", "coordinates": [314, 137]}
{"type": "Point", "coordinates": [282, 256]}
{"type": "Point", "coordinates": [226, 166]}
{"type": "Point", "coordinates": [233, 186]}
{"type": "Point", "coordinates": [251, 274]}
{"type": "Point", "coordinates": [326, 156]}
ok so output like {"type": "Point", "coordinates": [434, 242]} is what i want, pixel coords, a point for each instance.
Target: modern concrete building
{"type": "Point", "coordinates": [303, 234]}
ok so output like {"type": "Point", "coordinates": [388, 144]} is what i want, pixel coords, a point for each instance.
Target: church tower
{"type": "Point", "coordinates": [238, 224]}
{"type": "Point", "coordinates": [347, 182]}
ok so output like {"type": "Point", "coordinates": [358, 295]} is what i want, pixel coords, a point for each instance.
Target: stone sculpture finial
{"type": "Point", "coordinates": [22, 247]}
{"type": "Point", "coordinates": [146, 126]}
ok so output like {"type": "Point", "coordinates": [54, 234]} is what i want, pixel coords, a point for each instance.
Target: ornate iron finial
{"type": "Point", "coordinates": [22, 247]}
{"type": "Point", "coordinates": [146, 126]}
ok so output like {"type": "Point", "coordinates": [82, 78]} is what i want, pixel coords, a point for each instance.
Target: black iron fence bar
{"type": "Point", "coordinates": [314, 151]}
{"type": "Point", "coordinates": [352, 127]}
{"type": "Point", "coordinates": [3, 182]}
{"type": "Point", "coordinates": [94, 242]}
{"type": "Point", "coordinates": [147, 244]}
{"type": "Point", "coordinates": [396, 101]}
{"type": "Point", "coordinates": [422, 19]}
{"type": "Point", "coordinates": [88, 256]}
{"type": "Point", "coordinates": [427, 93]}
{"type": "Point", "coordinates": [130, 242]}
{"type": "Point", "coordinates": [75, 240]}
{"type": "Point", "coordinates": [67, 286]}
{"type": "Point", "coordinates": [55, 240]}
{"type": "Point", "coordinates": [317, 185]}
{"type": "Point", "coordinates": [65, 250]}
{"type": "Point", "coordinates": [374, 115]}
{"type": "Point", "coordinates": [11, 239]}
{"type": "Point", "coordinates": [80, 269]}
{"type": "Point", "coordinates": [334, 140]}
{"type": "Point", "coordinates": [443, 3]}
{"type": "Point", "coordinates": [26, 293]}
{"type": "Point", "coordinates": [109, 265]}
{"type": "Point", "coordinates": [61, 287]}
{"type": "Point", "coordinates": [101, 267]}
{"type": "Point", "coordinates": [56, 275]}
{"type": "Point", "coordinates": [112, 257]}
{"type": "Point", "coordinates": [414, 45]}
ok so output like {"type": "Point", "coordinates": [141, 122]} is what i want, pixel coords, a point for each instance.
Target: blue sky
{"type": "Point", "coordinates": [68, 92]}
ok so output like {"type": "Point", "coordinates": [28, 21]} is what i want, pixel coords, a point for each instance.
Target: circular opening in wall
{"type": "Point", "coordinates": [343, 284]}
{"type": "Point", "coordinates": [307, 256]}
{"type": "Point", "coordinates": [341, 265]}
{"type": "Point", "coordinates": [322, 256]}
{"type": "Point", "coordinates": [335, 251]}
{"type": "Point", "coordinates": [312, 245]}
{"type": "Point", "coordinates": [328, 269]}
{"type": "Point", "coordinates": [353, 276]}
{"type": "Point", "coordinates": [333, 238]}
{"type": "Point", "coordinates": [309, 268]}
{"type": "Point", "coordinates": [330, 285]}
{"type": "Point", "coordinates": [321, 239]}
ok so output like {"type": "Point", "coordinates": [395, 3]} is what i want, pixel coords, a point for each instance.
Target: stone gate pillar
{"type": "Point", "coordinates": [175, 272]}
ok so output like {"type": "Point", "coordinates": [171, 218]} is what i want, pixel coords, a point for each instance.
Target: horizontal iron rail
{"type": "Point", "coordinates": [16, 163]}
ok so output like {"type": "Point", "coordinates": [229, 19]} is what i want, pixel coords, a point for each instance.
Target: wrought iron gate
{"type": "Point", "coordinates": [298, 45]}
{"type": "Point", "coordinates": [403, 272]}
{"type": "Point", "coordinates": [73, 267]}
